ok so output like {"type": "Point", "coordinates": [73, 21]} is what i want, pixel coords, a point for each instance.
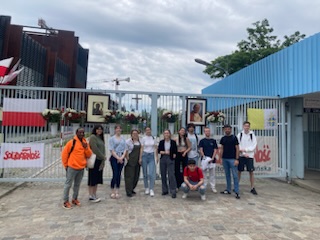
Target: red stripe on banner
{"type": "Point", "coordinates": [23, 119]}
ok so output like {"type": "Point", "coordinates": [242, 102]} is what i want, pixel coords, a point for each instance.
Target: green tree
{"type": "Point", "coordinates": [259, 44]}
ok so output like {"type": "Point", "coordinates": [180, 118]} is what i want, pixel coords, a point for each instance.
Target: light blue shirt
{"type": "Point", "coordinates": [117, 145]}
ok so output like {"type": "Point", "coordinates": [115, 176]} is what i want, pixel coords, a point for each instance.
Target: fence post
{"type": "Point", "coordinates": [154, 113]}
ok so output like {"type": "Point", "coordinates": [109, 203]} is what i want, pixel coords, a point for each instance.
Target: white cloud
{"type": "Point", "coordinates": [155, 42]}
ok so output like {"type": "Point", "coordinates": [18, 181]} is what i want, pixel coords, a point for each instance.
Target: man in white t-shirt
{"type": "Point", "coordinates": [247, 146]}
{"type": "Point", "coordinates": [193, 153]}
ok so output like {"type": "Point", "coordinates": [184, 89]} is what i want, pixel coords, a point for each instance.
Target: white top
{"type": "Point", "coordinates": [193, 153]}
{"type": "Point", "coordinates": [148, 143]}
{"type": "Point", "coordinates": [130, 144]}
{"type": "Point", "coordinates": [247, 144]}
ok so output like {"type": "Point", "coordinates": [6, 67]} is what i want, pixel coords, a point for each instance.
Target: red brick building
{"type": "Point", "coordinates": [50, 57]}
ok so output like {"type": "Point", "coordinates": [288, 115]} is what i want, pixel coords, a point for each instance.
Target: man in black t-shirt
{"type": "Point", "coordinates": [230, 159]}
{"type": "Point", "coordinates": [208, 150]}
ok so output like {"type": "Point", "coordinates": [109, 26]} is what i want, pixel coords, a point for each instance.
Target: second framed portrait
{"type": "Point", "coordinates": [97, 106]}
{"type": "Point", "coordinates": [196, 111]}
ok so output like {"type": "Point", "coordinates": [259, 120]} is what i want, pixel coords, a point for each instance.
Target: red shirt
{"type": "Point", "coordinates": [194, 176]}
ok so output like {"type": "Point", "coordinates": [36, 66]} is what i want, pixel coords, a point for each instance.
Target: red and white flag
{"type": "Point", "coordinates": [4, 65]}
{"type": "Point", "coordinates": [23, 112]}
{"type": "Point", "coordinates": [8, 78]}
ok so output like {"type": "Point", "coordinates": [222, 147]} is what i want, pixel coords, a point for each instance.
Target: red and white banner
{"type": "Point", "coordinates": [4, 65]}
{"type": "Point", "coordinates": [22, 155]}
{"type": "Point", "coordinates": [23, 112]}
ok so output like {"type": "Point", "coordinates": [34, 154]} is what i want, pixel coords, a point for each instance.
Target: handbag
{"type": "Point", "coordinates": [91, 160]}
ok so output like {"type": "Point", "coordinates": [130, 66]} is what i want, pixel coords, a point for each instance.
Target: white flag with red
{"type": "Point", "coordinates": [23, 112]}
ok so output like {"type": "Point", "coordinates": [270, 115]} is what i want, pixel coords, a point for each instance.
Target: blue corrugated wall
{"type": "Point", "coordinates": [292, 71]}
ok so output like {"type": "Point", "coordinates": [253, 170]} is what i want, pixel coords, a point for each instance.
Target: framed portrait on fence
{"type": "Point", "coordinates": [196, 111]}
{"type": "Point", "coordinates": [97, 105]}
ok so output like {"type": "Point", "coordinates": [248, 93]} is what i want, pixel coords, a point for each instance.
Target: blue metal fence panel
{"type": "Point", "coordinates": [292, 71]}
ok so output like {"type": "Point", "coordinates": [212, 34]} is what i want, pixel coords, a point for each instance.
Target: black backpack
{"type": "Point", "coordinates": [241, 136]}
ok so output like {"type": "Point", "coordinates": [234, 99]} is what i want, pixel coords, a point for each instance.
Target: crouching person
{"type": "Point", "coordinates": [193, 180]}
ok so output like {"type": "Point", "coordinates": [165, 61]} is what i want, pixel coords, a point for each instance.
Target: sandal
{"type": "Point", "coordinates": [113, 195]}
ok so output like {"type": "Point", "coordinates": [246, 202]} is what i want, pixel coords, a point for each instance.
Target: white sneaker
{"type": "Point", "coordinates": [147, 191]}
{"type": "Point", "coordinates": [151, 193]}
{"type": "Point", "coordinates": [203, 197]}
{"type": "Point", "coordinates": [185, 195]}
{"type": "Point", "coordinates": [214, 190]}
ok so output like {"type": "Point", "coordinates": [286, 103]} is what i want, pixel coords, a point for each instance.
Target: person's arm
{"type": "Point", "coordinates": [252, 146]}
{"type": "Point", "coordinates": [111, 149]}
{"type": "Point", "coordinates": [236, 162]}
{"type": "Point", "coordinates": [156, 152]}
{"type": "Point", "coordinates": [221, 152]}
{"type": "Point", "coordinates": [174, 149]}
{"type": "Point", "coordinates": [65, 153]}
{"type": "Point", "coordinates": [141, 152]}
{"type": "Point", "coordinates": [93, 142]}
{"type": "Point", "coordinates": [188, 148]}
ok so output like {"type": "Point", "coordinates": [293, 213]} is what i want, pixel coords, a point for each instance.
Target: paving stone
{"type": "Point", "coordinates": [280, 211]}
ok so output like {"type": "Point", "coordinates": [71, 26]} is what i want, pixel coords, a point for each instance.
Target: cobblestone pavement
{"type": "Point", "coordinates": [280, 211]}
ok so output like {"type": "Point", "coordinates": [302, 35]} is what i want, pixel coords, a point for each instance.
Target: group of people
{"type": "Point", "coordinates": [185, 161]}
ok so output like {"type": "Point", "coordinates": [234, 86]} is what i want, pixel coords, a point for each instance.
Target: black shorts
{"type": "Point", "coordinates": [248, 162]}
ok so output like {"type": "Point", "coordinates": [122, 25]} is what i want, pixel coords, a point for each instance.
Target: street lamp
{"type": "Point", "coordinates": [217, 65]}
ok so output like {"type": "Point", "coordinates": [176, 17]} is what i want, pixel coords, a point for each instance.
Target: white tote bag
{"type": "Point", "coordinates": [91, 160]}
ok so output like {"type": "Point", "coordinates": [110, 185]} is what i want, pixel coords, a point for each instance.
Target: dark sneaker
{"type": "Point", "coordinates": [76, 202]}
{"type": "Point", "coordinates": [133, 192]}
{"type": "Point", "coordinates": [164, 193]}
{"type": "Point", "coordinates": [225, 192]}
{"type": "Point", "coordinates": [129, 194]}
{"type": "Point", "coordinates": [237, 196]}
{"type": "Point", "coordinates": [67, 205]}
{"type": "Point", "coordinates": [253, 191]}
{"type": "Point", "coordinates": [174, 195]}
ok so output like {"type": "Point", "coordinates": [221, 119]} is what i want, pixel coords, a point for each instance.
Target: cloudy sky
{"type": "Point", "coordinates": [154, 42]}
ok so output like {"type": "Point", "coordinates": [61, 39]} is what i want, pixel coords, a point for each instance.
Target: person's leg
{"type": "Point", "coordinates": [136, 175]}
{"type": "Point", "coordinates": [145, 169]}
{"type": "Point", "coordinates": [68, 183]}
{"type": "Point", "coordinates": [163, 170]}
{"type": "Point", "coordinates": [172, 179]}
{"type": "Point", "coordinates": [114, 167]}
{"type": "Point", "coordinates": [118, 176]}
{"type": "Point", "coordinates": [94, 190]}
{"type": "Point", "coordinates": [205, 177]}
{"type": "Point", "coordinates": [212, 177]}
{"type": "Point", "coordinates": [77, 182]}
{"type": "Point", "coordinates": [177, 171]}
{"type": "Point", "coordinates": [234, 170]}
{"type": "Point", "coordinates": [128, 179]}
{"type": "Point", "coordinates": [242, 162]}
{"type": "Point", "coordinates": [226, 166]}
{"type": "Point", "coordinates": [251, 179]}
{"type": "Point", "coordinates": [185, 188]}
{"type": "Point", "coordinates": [152, 171]}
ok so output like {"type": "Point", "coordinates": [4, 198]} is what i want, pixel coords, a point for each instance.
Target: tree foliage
{"type": "Point", "coordinates": [259, 44]}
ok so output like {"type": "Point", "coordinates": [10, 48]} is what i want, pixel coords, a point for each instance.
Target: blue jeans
{"type": "Point", "coordinates": [148, 168]}
{"type": "Point", "coordinates": [228, 164]}
{"type": "Point", "coordinates": [185, 188]}
{"type": "Point", "coordinates": [116, 172]}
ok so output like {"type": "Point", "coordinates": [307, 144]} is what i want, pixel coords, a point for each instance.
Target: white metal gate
{"type": "Point", "coordinates": [150, 105]}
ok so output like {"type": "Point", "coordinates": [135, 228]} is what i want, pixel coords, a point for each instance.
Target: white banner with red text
{"type": "Point", "coordinates": [265, 158]}
{"type": "Point", "coordinates": [22, 155]}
